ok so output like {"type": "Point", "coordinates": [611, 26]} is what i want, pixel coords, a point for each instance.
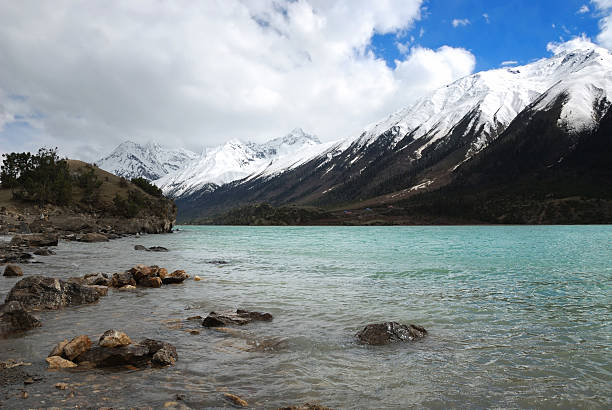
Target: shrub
{"type": "Point", "coordinates": [148, 187]}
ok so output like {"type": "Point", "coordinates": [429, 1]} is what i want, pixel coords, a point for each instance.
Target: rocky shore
{"type": "Point", "coordinates": [114, 349]}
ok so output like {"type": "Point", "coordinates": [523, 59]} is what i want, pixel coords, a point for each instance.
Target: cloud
{"type": "Point", "coordinates": [509, 62]}
{"type": "Point", "coordinates": [577, 43]}
{"type": "Point", "coordinates": [604, 38]}
{"type": "Point", "coordinates": [460, 22]}
{"type": "Point", "coordinates": [583, 10]}
{"type": "Point", "coordinates": [191, 74]}
{"type": "Point", "coordinates": [486, 17]}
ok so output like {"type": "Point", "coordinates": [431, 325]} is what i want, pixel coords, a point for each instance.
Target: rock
{"type": "Point", "coordinates": [165, 357]}
{"type": "Point", "coordinates": [138, 355]}
{"type": "Point", "coordinates": [141, 271]}
{"type": "Point", "coordinates": [120, 279]}
{"type": "Point", "coordinates": [43, 252]}
{"type": "Point", "coordinates": [40, 293]}
{"type": "Point", "coordinates": [158, 249]}
{"type": "Point", "coordinates": [76, 347]}
{"type": "Point", "coordinates": [92, 237]}
{"type": "Point", "coordinates": [37, 240]}
{"type": "Point", "coordinates": [102, 290]}
{"type": "Point", "coordinates": [389, 332]}
{"type": "Point", "coordinates": [97, 279]}
{"type": "Point", "coordinates": [114, 338]}
{"type": "Point", "coordinates": [197, 278]}
{"type": "Point", "coordinates": [14, 318]}
{"type": "Point", "coordinates": [12, 270]}
{"type": "Point", "coordinates": [237, 401]}
{"type": "Point", "coordinates": [218, 262]}
{"type": "Point", "coordinates": [61, 386]}
{"type": "Point", "coordinates": [239, 317]}
{"type": "Point", "coordinates": [100, 356]}
{"type": "Point", "coordinates": [178, 276]}
{"type": "Point", "coordinates": [151, 282]}
{"type": "Point", "coordinates": [59, 348]}
{"type": "Point", "coordinates": [140, 248]}
{"type": "Point", "coordinates": [24, 228]}
{"type": "Point", "coordinates": [56, 362]}
{"type": "Point", "coordinates": [127, 287]}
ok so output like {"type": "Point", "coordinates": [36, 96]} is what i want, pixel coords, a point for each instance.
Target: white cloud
{"type": "Point", "coordinates": [509, 62]}
{"type": "Point", "coordinates": [584, 9]}
{"type": "Point", "coordinates": [460, 22]}
{"type": "Point", "coordinates": [604, 38]}
{"type": "Point", "coordinates": [577, 43]}
{"type": "Point", "coordinates": [86, 76]}
{"type": "Point", "coordinates": [486, 17]}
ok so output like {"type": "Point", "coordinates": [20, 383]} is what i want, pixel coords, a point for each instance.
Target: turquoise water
{"type": "Point", "coordinates": [518, 316]}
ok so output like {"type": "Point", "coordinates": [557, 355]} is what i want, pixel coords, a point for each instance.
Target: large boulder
{"type": "Point", "coordinates": [389, 332]}
{"type": "Point", "coordinates": [14, 318]}
{"type": "Point", "coordinates": [36, 240]}
{"type": "Point", "coordinates": [92, 237]}
{"type": "Point", "coordinates": [138, 354]}
{"type": "Point", "coordinates": [238, 317]}
{"type": "Point", "coordinates": [97, 279]}
{"type": "Point", "coordinates": [178, 276]}
{"type": "Point", "coordinates": [150, 282]}
{"type": "Point", "coordinates": [42, 293]}
{"type": "Point", "coordinates": [12, 270]}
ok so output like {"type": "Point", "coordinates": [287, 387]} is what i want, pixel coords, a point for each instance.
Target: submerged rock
{"type": "Point", "coordinates": [306, 406]}
{"type": "Point", "coordinates": [97, 279]}
{"type": "Point", "coordinates": [44, 252]}
{"type": "Point", "coordinates": [239, 317]}
{"type": "Point", "coordinates": [44, 293]}
{"type": "Point", "coordinates": [140, 248]}
{"type": "Point", "coordinates": [138, 355]}
{"type": "Point", "coordinates": [14, 318]}
{"type": "Point", "coordinates": [235, 400]}
{"type": "Point", "coordinates": [378, 334]}
{"type": "Point", "coordinates": [158, 249]}
{"type": "Point", "coordinates": [12, 270]}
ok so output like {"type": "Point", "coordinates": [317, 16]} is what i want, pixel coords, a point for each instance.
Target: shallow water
{"type": "Point", "coordinates": [517, 317]}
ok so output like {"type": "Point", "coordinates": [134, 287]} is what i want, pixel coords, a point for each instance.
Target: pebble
{"type": "Point", "coordinates": [236, 400]}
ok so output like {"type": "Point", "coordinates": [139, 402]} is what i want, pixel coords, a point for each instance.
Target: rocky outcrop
{"type": "Point", "coordinates": [114, 349]}
{"type": "Point", "coordinates": [43, 293]}
{"type": "Point", "coordinates": [238, 317]}
{"type": "Point", "coordinates": [44, 252]}
{"type": "Point", "coordinates": [12, 270]}
{"type": "Point", "coordinates": [14, 319]}
{"type": "Point", "coordinates": [378, 334]}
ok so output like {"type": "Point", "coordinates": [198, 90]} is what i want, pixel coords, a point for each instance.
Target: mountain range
{"type": "Point", "coordinates": [498, 142]}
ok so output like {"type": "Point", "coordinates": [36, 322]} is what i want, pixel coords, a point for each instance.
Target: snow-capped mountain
{"type": "Point", "coordinates": [150, 161]}
{"type": "Point", "coordinates": [421, 147]}
{"type": "Point", "coordinates": [233, 161]}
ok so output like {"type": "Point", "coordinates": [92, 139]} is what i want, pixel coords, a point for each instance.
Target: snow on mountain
{"type": "Point", "coordinates": [150, 161]}
{"type": "Point", "coordinates": [497, 96]}
{"type": "Point", "coordinates": [233, 161]}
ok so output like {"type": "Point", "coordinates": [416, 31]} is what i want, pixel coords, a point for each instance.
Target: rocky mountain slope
{"type": "Point", "coordinates": [236, 160]}
{"type": "Point", "coordinates": [150, 161]}
{"type": "Point", "coordinates": [551, 109]}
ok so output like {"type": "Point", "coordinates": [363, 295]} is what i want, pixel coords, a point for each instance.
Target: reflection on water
{"type": "Point", "coordinates": [517, 317]}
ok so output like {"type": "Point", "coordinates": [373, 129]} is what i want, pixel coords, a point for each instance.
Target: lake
{"type": "Point", "coordinates": [518, 316]}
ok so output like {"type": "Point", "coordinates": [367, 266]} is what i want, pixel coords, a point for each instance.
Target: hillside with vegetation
{"type": "Point", "coordinates": [42, 192]}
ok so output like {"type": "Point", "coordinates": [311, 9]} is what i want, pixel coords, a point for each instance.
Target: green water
{"type": "Point", "coordinates": [517, 316]}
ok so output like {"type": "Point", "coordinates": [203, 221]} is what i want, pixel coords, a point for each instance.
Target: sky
{"type": "Point", "coordinates": [86, 76]}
